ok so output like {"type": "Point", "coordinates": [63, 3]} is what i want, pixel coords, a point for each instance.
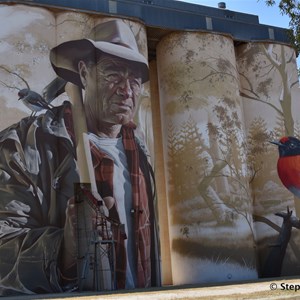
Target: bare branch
{"type": "Point", "coordinates": [249, 83]}
{"type": "Point", "coordinates": [9, 86]}
{"type": "Point", "coordinates": [268, 54]}
{"type": "Point", "coordinates": [16, 74]}
{"type": "Point", "coordinates": [262, 101]}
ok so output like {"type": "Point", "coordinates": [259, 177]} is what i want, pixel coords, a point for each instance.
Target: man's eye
{"type": "Point", "coordinates": [113, 78]}
{"type": "Point", "coordinates": [135, 83]}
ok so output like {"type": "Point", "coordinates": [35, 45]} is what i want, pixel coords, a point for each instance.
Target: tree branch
{"type": "Point", "coordinates": [16, 74]}
{"type": "Point", "coordinates": [262, 101]}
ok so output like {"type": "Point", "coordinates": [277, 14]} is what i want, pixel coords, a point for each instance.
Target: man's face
{"type": "Point", "coordinates": [112, 90]}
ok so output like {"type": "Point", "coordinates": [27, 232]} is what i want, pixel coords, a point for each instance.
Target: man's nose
{"type": "Point", "coordinates": [124, 89]}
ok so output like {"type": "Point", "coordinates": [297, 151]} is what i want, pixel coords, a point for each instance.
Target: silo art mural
{"type": "Point", "coordinates": [123, 171]}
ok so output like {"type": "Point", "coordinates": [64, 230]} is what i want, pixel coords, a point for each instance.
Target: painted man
{"type": "Point", "coordinates": [38, 171]}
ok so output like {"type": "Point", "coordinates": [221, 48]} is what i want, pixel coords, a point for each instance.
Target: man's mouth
{"type": "Point", "coordinates": [124, 106]}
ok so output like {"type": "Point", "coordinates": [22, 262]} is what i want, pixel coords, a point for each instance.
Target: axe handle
{"type": "Point", "coordinates": [86, 174]}
{"type": "Point", "coordinates": [84, 162]}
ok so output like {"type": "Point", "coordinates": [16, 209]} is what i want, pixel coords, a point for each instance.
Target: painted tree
{"type": "Point", "coordinates": [267, 77]}
{"type": "Point", "coordinates": [185, 146]}
{"type": "Point", "coordinates": [267, 63]}
{"type": "Point", "coordinates": [257, 146]}
{"type": "Point", "coordinates": [231, 163]}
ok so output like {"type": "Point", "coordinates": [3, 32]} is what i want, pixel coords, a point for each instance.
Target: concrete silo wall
{"type": "Point", "coordinates": [204, 122]}
{"type": "Point", "coordinates": [270, 92]}
{"type": "Point", "coordinates": [210, 205]}
{"type": "Point", "coordinates": [39, 165]}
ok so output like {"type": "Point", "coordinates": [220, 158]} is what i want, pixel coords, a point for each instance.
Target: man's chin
{"type": "Point", "coordinates": [122, 119]}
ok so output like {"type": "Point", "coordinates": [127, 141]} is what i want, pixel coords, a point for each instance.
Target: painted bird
{"type": "Point", "coordinates": [33, 100]}
{"type": "Point", "coordinates": [37, 102]}
{"type": "Point", "coordinates": [288, 165]}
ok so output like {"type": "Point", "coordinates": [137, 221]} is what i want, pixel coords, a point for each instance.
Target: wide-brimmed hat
{"type": "Point", "coordinates": [112, 37]}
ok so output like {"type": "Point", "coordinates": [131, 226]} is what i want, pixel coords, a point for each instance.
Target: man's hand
{"type": "Point", "coordinates": [69, 247]}
{"type": "Point", "coordinates": [109, 202]}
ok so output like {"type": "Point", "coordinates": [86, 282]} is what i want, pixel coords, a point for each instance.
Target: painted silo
{"type": "Point", "coordinates": [210, 205]}
{"type": "Point", "coordinates": [270, 95]}
{"type": "Point", "coordinates": [40, 223]}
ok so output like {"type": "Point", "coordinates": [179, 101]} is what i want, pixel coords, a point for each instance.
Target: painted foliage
{"type": "Point", "coordinates": [222, 106]}
{"type": "Point", "coordinates": [269, 87]}
{"type": "Point", "coordinates": [209, 197]}
{"type": "Point", "coordinates": [225, 213]}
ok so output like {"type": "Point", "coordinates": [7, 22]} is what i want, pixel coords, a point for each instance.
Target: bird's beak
{"type": "Point", "coordinates": [276, 143]}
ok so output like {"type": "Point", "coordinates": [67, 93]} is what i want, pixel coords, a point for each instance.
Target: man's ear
{"type": "Point", "coordinates": [83, 71]}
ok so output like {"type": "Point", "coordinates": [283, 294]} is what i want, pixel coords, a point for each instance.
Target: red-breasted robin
{"type": "Point", "coordinates": [288, 165]}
